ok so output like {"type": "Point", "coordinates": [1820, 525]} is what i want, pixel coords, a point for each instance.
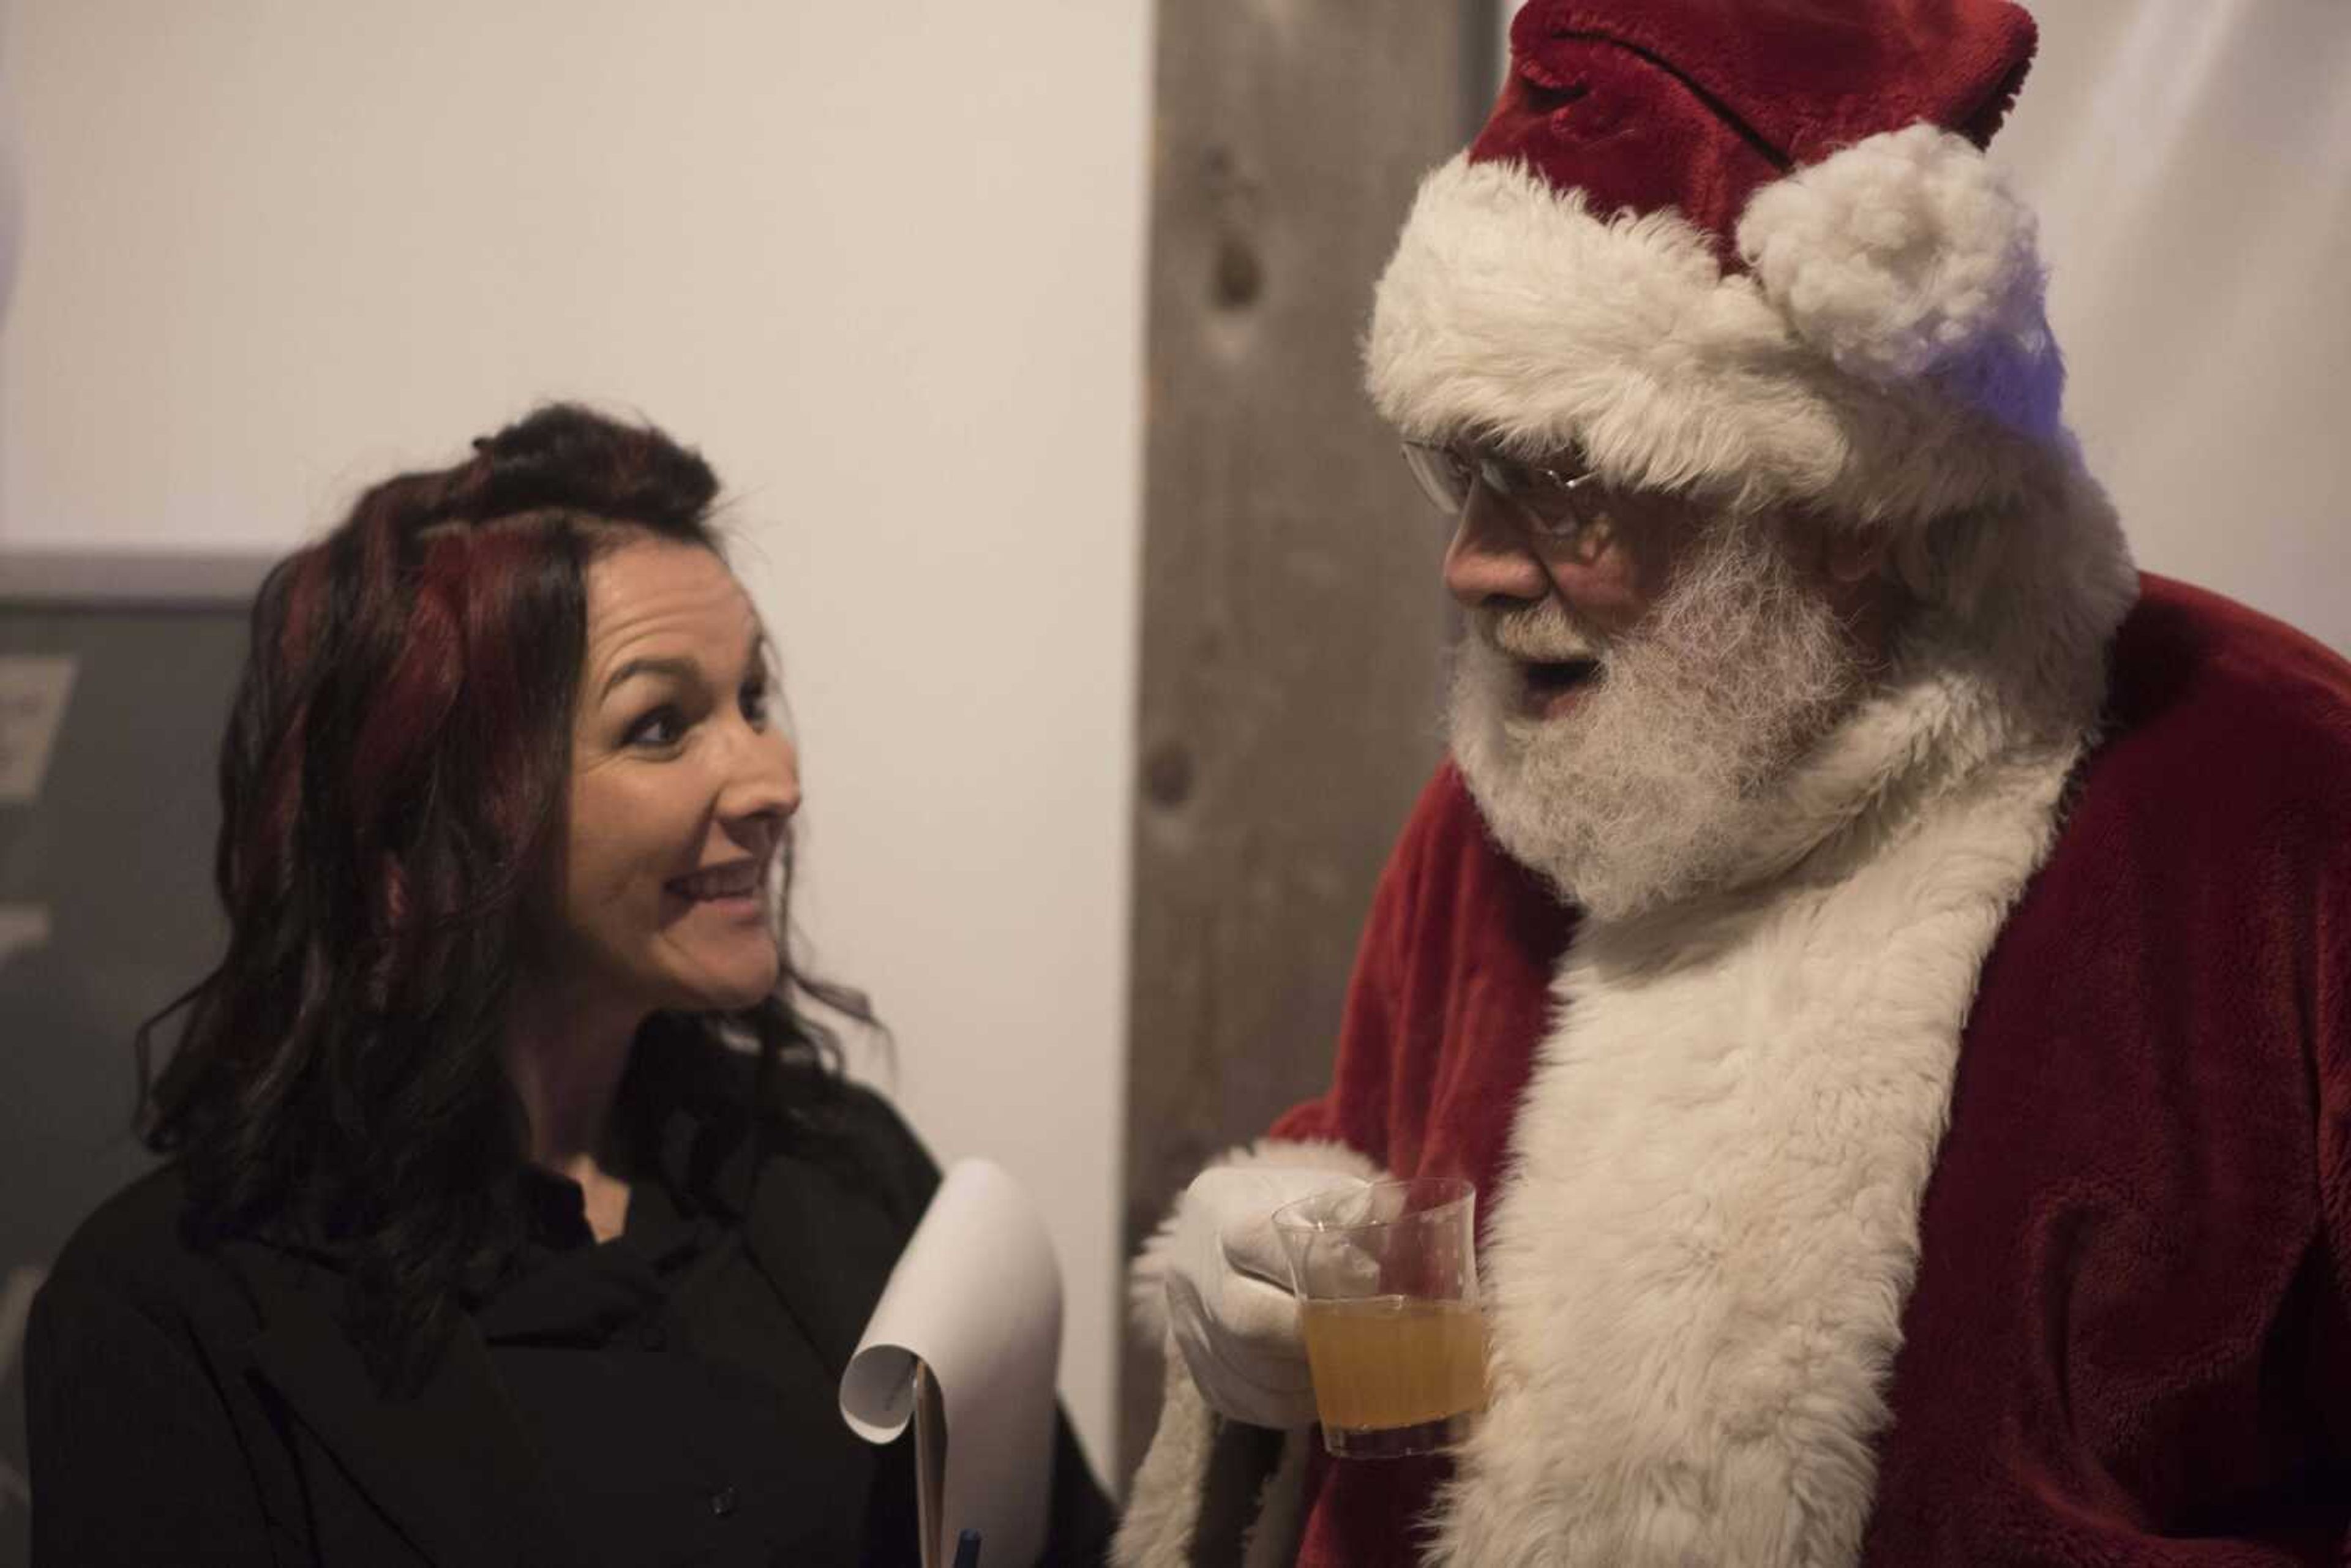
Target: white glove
{"type": "Point", "coordinates": [1228, 1299]}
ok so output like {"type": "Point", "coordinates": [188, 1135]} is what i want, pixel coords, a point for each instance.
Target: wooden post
{"type": "Point", "coordinates": [1293, 620]}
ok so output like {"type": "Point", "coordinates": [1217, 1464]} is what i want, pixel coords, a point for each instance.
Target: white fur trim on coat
{"type": "Point", "coordinates": [1887, 359]}
{"type": "Point", "coordinates": [1163, 1527]}
{"type": "Point", "coordinates": [1698, 1264]}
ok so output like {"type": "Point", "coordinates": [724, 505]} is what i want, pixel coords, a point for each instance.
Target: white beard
{"type": "Point", "coordinates": [1651, 786]}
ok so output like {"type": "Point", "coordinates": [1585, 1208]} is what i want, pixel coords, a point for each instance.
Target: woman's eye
{"type": "Point", "coordinates": [663, 726]}
{"type": "Point", "coordinates": [755, 705]}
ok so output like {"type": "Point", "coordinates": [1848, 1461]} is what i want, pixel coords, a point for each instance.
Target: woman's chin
{"type": "Point", "coordinates": [727, 986]}
{"type": "Point", "coordinates": [734, 998]}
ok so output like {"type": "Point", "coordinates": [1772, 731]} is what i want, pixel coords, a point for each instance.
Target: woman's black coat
{"type": "Point", "coordinates": [190, 1406]}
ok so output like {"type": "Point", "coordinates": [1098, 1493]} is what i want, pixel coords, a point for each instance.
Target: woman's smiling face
{"type": "Point", "coordinates": [681, 787]}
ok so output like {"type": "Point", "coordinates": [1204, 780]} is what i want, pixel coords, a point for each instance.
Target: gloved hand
{"type": "Point", "coordinates": [1228, 1297]}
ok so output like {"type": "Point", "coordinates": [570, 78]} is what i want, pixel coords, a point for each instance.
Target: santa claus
{"type": "Point", "coordinates": [1885, 962]}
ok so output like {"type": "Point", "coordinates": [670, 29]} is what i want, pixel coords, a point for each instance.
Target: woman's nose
{"type": "Point", "coordinates": [1490, 557]}
{"type": "Point", "coordinates": [763, 787]}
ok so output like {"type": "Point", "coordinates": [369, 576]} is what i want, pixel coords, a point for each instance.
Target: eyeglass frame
{"type": "Point", "coordinates": [1506, 477]}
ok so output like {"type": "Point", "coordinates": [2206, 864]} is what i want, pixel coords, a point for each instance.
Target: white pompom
{"type": "Point", "coordinates": [1905, 256]}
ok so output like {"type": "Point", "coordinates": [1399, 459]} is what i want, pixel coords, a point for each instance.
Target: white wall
{"type": "Point", "coordinates": [883, 264]}
{"type": "Point", "coordinates": [2190, 161]}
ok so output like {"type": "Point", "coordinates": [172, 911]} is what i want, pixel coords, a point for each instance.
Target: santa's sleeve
{"type": "Point", "coordinates": [2331, 1015]}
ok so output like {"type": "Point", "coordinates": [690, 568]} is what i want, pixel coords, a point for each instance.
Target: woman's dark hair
{"type": "Point", "coordinates": [392, 791]}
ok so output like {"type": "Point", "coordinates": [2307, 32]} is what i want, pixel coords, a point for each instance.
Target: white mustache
{"type": "Point", "coordinates": [1542, 634]}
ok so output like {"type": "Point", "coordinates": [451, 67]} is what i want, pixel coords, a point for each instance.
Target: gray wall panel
{"type": "Point", "coordinates": [118, 850]}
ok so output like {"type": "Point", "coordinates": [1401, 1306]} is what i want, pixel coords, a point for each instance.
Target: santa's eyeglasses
{"type": "Point", "coordinates": [1556, 506]}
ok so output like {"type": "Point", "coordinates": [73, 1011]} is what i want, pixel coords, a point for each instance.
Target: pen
{"type": "Point", "coordinates": [968, 1549]}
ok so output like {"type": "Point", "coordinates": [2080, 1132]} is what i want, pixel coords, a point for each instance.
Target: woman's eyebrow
{"type": "Point", "coordinates": [678, 669]}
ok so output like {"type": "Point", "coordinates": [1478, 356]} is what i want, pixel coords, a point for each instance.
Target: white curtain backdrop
{"type": "Point", "coordinates": [2190, 161]}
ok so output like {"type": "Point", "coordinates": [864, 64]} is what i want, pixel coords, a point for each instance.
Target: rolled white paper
{"type": "Point", "coordinates": [976, 1295]}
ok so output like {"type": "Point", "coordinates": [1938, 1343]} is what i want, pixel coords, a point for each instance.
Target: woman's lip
{"type": "Point", "coordinates": [740, 905]}
{"type": "Point", "coordinates": [729, 879]}
{"type": "Point", "coordinates": [730, 909]}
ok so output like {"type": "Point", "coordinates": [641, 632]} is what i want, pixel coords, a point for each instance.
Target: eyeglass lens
{"type": "Point", "coordinates": [1447, 474]}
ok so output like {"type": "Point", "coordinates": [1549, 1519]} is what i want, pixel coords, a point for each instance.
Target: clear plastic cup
{"type": "Point", "coordinates": [1386, 1280]}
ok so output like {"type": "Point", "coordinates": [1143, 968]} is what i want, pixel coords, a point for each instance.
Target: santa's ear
{"type": "Point", "coordinates": [1842, 550]}
{"type": "Point", "coordinates": [1854, 555]}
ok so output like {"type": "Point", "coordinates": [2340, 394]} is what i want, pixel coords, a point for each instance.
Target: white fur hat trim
{"type": "Point", "coordinates": [1887, 359]}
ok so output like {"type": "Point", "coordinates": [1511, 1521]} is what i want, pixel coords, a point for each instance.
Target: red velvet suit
{"type": "Point", "coordinates": [2130, 1340]}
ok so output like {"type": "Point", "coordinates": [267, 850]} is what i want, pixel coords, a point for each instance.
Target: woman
{"type": "Point", "coordinates": [517, 1210]}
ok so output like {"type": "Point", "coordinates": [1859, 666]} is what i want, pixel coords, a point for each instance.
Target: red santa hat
{"type": "Point", "coordinates": [1750, 249]}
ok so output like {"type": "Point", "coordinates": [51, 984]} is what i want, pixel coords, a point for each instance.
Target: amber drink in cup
{"type": "Point", "coordinates": [1386, 1278]}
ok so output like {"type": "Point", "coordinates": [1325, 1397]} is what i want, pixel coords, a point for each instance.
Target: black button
{"type": "Point", "coordinates": [652, 1336]}
{"type": "Point", "coordinates": [723, 1502]}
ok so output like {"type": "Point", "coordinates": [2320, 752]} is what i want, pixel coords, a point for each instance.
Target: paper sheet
{"type": "Point", "coordinates": [977, 1297]}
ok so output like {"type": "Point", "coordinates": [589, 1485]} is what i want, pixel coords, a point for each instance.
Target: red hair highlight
{"type": "Point", "coordinates": [392, 755]}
